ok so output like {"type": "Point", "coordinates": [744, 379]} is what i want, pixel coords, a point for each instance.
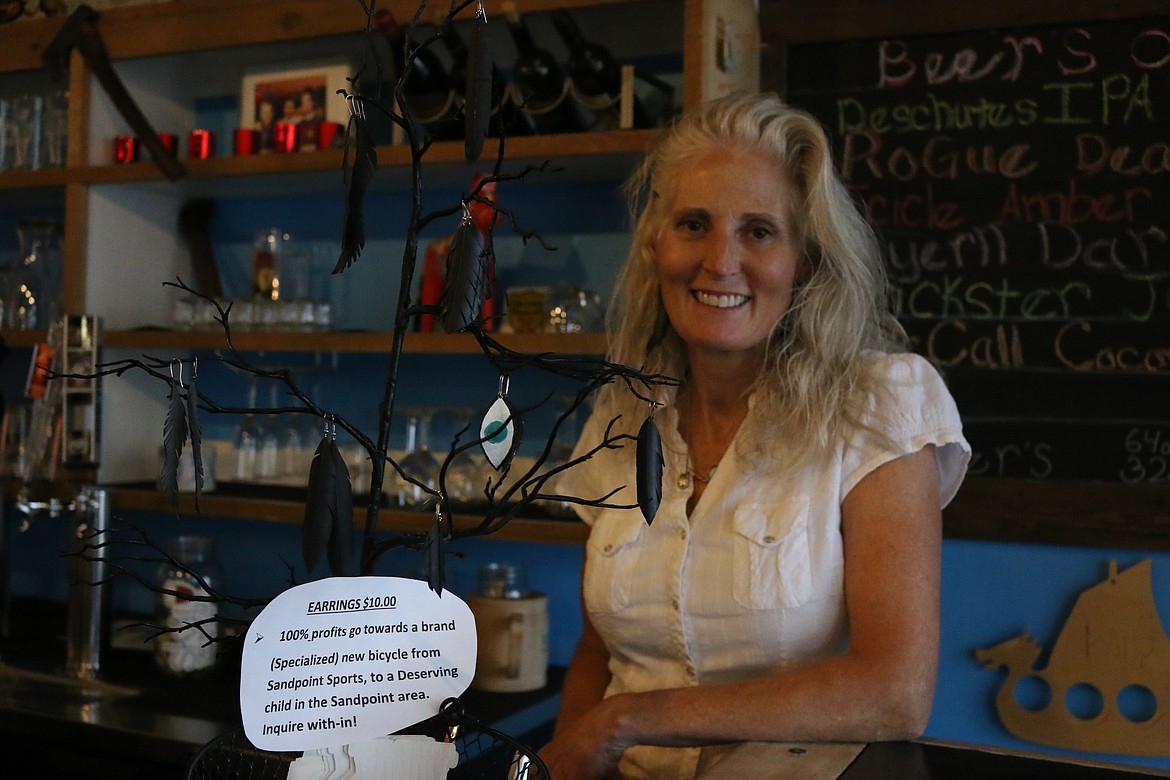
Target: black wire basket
{"type": "Point", "coordinates": [484, 752]}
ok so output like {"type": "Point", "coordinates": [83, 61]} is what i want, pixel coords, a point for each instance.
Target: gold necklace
{"type": "Point", "coordinates": [684, 479]}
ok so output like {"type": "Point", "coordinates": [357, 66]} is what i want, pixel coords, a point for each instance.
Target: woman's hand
{"type": "Point", "coordinates": [590, 747]}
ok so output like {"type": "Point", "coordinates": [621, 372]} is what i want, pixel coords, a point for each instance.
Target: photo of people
{"type": "Point", "coordinates": [296, 100]}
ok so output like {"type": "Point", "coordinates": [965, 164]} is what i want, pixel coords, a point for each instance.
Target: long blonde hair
{"type": "Point", "coordinates": [813, 372]}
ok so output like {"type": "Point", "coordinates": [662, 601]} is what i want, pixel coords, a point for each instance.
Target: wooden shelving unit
{"type": "Point", "coordinates": [169, 32]}
{"type": "Point", "coordinates": [565, 531]}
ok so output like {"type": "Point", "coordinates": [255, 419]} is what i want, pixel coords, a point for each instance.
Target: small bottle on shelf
{"type": "Point", "coordinates": [541, 81]}
{"type": "Point", "coordinates": [266, 256]}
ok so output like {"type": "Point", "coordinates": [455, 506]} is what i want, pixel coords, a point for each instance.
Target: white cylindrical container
{"type": "Point", "coordinates": [511, 625]}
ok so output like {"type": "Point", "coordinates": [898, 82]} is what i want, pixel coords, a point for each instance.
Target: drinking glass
{"type": "Point", "coordinates": [419, 462]}
{"type": "Point", "coordinates": [24, 126]}
{"type": "Point", "coordinates": [294, 457]}
{"type": "Point", "coordinates": [268, 442]}
{"type": "Point", "coordinates": [466, 476]}
{"type": "Point", "coordinates": [55, 129]}
{"type": "Point", "coordinates": [35, 285]}
{"type": "Point", "coordinates": [248, 440]}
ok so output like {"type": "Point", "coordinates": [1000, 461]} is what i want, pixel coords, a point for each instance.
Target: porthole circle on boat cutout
{"type": "Point", "coordinates": [1084, 701]}
{"type": "Point", "coordinates": [1137, 703]}
{"type": "Point", "coordinates": [1033, 693]}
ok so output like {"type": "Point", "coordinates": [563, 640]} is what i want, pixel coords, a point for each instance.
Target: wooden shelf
{"type": "Point", "coordinates": [573, 157]}
{"type": "Point", "coordinates": [275, 511]}
{"type": "Point", "coordinates": [436, 343]}
{"type": "Point", "coordinates": [1000, 510]}
{"type": "Point", "coordinates": [805, 21]}
{"type": "Point", "coordinates": [23, 338]}
{"type": "Point", "coordinates": [175, 27]}
{"type": "Point", "coordinates": [49, 177]}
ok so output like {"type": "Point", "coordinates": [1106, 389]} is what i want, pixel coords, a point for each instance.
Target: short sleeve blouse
{"type": "Point", "coordinates": [752, 581]}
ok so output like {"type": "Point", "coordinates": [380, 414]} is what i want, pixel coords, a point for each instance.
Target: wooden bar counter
{"type": "Point", "coordinates": [917, 760]}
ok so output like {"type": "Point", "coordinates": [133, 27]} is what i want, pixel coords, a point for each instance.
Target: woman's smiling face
{"type": "Point", "coordinates": [728, 252]}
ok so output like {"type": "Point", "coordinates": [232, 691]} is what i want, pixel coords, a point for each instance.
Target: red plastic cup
{"type": "Point", "coordinates": [170, 142]}
{"type": "Point", "coordinates": [245, 141]}
{"type": "Point", "coordinates": [285, 136]}
{"type": "Point", "coordinates": [201, 144]}
{"type": "Point", "coordinates": [125, 149]}
{"type": "Point", "coordinates": [326, 132]}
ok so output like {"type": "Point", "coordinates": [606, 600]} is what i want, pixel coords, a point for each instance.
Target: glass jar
{"type": "Point", "coordinates": [192, 650]}
{"type": "Point", "coordinates": [502, 581]}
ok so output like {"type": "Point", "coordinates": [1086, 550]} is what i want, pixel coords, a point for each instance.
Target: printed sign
{"type": "Point", "coordinates": [347, 659]}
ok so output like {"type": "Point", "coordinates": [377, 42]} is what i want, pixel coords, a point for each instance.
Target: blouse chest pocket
{"type": "Point", "coordinates": [612, 556]}
{"type": "Point", "coordinates": [771, 556]}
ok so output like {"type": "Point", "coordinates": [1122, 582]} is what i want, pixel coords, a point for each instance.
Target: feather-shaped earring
{"type": "Point", "coordinates": [500, 430]}
{"type": "Point", "coordinates": [466, 277]}
{"type": "Point", "coordinates": [649, 468]}
{"type": "Point", "coordinates": [195, 432]}
{"type": "Point", "coordinates": [319, 503]}
{"type": "Point", "coordinates": [341, 547]}
{"type": "Point", "coordinates": [477, 100]}
{"type": "Point", "coordinates": [357, 180]}
{"type": "Point", "coordinates": [434, 553]}
{"type": "Point", "coordinates": [174, 434]}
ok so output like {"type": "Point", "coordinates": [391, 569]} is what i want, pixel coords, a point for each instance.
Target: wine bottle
{"type": "Point", "coordinates": [541, 81]}
{"type": "Point", "coordinates": [427, 89]}
{"type": "Point", "coordinates": [596, 74]}
{"type": "Point", "coordinates": [505, 118]}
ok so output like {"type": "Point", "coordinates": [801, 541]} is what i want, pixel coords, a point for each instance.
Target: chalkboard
{"type": "Point", "coordinates": [1019, 180]}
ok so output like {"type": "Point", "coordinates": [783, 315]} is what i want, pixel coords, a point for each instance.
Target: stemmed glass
{"type": "Point", "coordinates": [248, 440]}
{"type": "Point", "coordinates": [268, 445]}
{"type": "Point", "coordinates": [465, 476]}
{"type": "Point", "coordinates": [419, 462]}
{"type": "Point", "coordinates": [302, 432]}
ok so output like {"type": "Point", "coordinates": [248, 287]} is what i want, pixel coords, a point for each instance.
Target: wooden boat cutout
{"type": "Point", "coordinates": [1114, 652]}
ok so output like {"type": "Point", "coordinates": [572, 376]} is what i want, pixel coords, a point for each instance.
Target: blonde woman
{"type": "Point", "coordinates": [788, 586]}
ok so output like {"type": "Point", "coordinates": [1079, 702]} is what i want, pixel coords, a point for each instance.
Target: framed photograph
{"type": "Point", "coordinates": [298, 95]}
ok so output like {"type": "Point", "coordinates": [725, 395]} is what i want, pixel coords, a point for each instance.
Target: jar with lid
{"type": "Point", "coordinates": [511, 626]}
{"type": "Point", "coordinates": [191, 651]}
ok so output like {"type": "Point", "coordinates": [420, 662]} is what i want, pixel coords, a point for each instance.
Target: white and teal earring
{"type": "Point", "coordinates": [500, 430]}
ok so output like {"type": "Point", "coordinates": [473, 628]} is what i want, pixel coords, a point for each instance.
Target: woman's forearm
{"type": "Point", "coordinates": [840, 699]}
{"type": "Point", "coordinates": [585, 681]}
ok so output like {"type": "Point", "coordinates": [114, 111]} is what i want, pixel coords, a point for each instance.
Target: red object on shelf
{"type": "Point", "coordinates": [125, 149]}
{"type": "Point", "coordinates": [38, 371]}
{"type": "Point", "coordinates": [170, 142]}
{"type": "Point", "coordinates": [431, 292]}
{"type": "Point", "coordinates": [326, 132]}
{"type": "Point", "coordinates": [245, 141]}
{"type": "Point", "coordinates": [285, 136]}
{"type": "Point", "coordinates": [201, 144]}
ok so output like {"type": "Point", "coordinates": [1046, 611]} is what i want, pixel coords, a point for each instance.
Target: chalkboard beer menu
{"type": "Point", "coordinates": [1020, 183]}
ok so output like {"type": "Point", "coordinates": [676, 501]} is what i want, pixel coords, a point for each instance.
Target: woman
{"type": "Point", "coordinates": [788, 586]}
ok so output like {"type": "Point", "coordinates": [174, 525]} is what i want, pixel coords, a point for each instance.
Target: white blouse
{"type": "Point", "coordinates": [752, 581]}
